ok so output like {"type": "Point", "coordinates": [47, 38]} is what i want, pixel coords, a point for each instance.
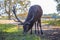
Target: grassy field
{"type": "Point", "coordinates": [11, 32]}
{"type": "Point", "coordinates": [52, 22]}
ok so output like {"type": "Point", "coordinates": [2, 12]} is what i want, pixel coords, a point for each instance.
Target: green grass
{"type": "Point", "coordinates": [52, 22]}
{"type": "Point", "coordinates": [55, 23]}
{"type": "Point", "coordinates": [11, 32]}
{"type": "Point", "coordinates": [4, 27]}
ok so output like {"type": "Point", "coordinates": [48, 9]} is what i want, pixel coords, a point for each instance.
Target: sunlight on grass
{"type": "Point", "coordinates": [14, 29]}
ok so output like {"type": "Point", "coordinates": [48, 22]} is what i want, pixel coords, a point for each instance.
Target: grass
{"type": "Point", "coordinates": [11, 32]}
{"type": "Point", "coordinates": [4, 18]}
{"type": "Point", "coordinates": [53, 22]}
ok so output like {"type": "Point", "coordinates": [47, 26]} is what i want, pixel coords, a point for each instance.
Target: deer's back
{"type": "Point", "coordinates": [35, 10]}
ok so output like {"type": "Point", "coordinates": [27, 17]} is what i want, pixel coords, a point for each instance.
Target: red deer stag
{"type": "Point", "coordinates": [34, 15]}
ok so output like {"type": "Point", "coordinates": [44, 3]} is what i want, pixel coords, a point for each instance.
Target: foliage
{"type": "Point", "coordinates": [21, 5]}
{"type": "Point", "coordinates": [58, 6]}
{"type": "Point", "coordinates": [56, 0]}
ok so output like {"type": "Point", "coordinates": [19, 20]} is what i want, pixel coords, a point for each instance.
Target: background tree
{"type": "Point", "coordinates": [21, 6]}
{"type": "Point", "coordinates": [58, 6]}
{"type": "Point", "coordinates": [8, 7]}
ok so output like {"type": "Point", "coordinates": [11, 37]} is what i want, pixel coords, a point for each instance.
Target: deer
{"type": "Point", "coordinates": [34, 15]}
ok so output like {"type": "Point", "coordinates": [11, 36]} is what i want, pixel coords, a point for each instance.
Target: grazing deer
{"type": "Point", "coordinates": [34, 15]}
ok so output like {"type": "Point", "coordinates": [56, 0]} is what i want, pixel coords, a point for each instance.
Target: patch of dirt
{"type": "Point", "coordinates": [6, 21]}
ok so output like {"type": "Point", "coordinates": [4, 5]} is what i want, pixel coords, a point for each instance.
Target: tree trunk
{"type": "Point", "coordinates": [9, 17]}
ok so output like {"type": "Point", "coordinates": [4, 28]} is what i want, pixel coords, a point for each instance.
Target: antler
{"type": "Point", "coordinates": [14, 11]}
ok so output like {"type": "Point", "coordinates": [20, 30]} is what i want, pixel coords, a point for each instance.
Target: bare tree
{"type": "Point", "coordinates": [8, 7]}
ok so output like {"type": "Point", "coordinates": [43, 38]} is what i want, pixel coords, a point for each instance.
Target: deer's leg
{"type": "Point", "coordinates": [38, 27]}
{"type": "Point", "coordinates": [35, 28]}
{"type": "Point", "coordinates": [31, 31]}
{"type": "Point", "coordinates": [39, 21]}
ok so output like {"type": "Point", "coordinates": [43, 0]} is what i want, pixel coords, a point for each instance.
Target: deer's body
{"type": "Point", "coordinates": [34, 14]}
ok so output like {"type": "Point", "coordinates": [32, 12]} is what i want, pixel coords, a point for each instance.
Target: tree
{"type": "Point", "coordinates": [24, 4]}
{"type": "Point", "coordinates": [23, 7]}
{"type": "Point", "coordinates": [58, 6]}
{"type": "Point", "coordinates": [8, 7]}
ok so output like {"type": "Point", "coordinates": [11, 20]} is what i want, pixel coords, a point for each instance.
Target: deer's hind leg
{"type": "Point", "coordinates": [39, 21]}
{"type": "Point", "coordinates": [37, 27]}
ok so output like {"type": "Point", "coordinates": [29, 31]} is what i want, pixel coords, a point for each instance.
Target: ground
{"type": "Point", "coordinates": [49, 33]}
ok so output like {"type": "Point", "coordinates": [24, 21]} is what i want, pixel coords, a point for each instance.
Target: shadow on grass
{"type": "Point", "coordinates": [50, 34]}
{"type": "Point", "coordinates": [17, 36]}
{"type": "Point", "coordinates": [3, 35]}
{"type": "Point", "coordinates": [10, 36]}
